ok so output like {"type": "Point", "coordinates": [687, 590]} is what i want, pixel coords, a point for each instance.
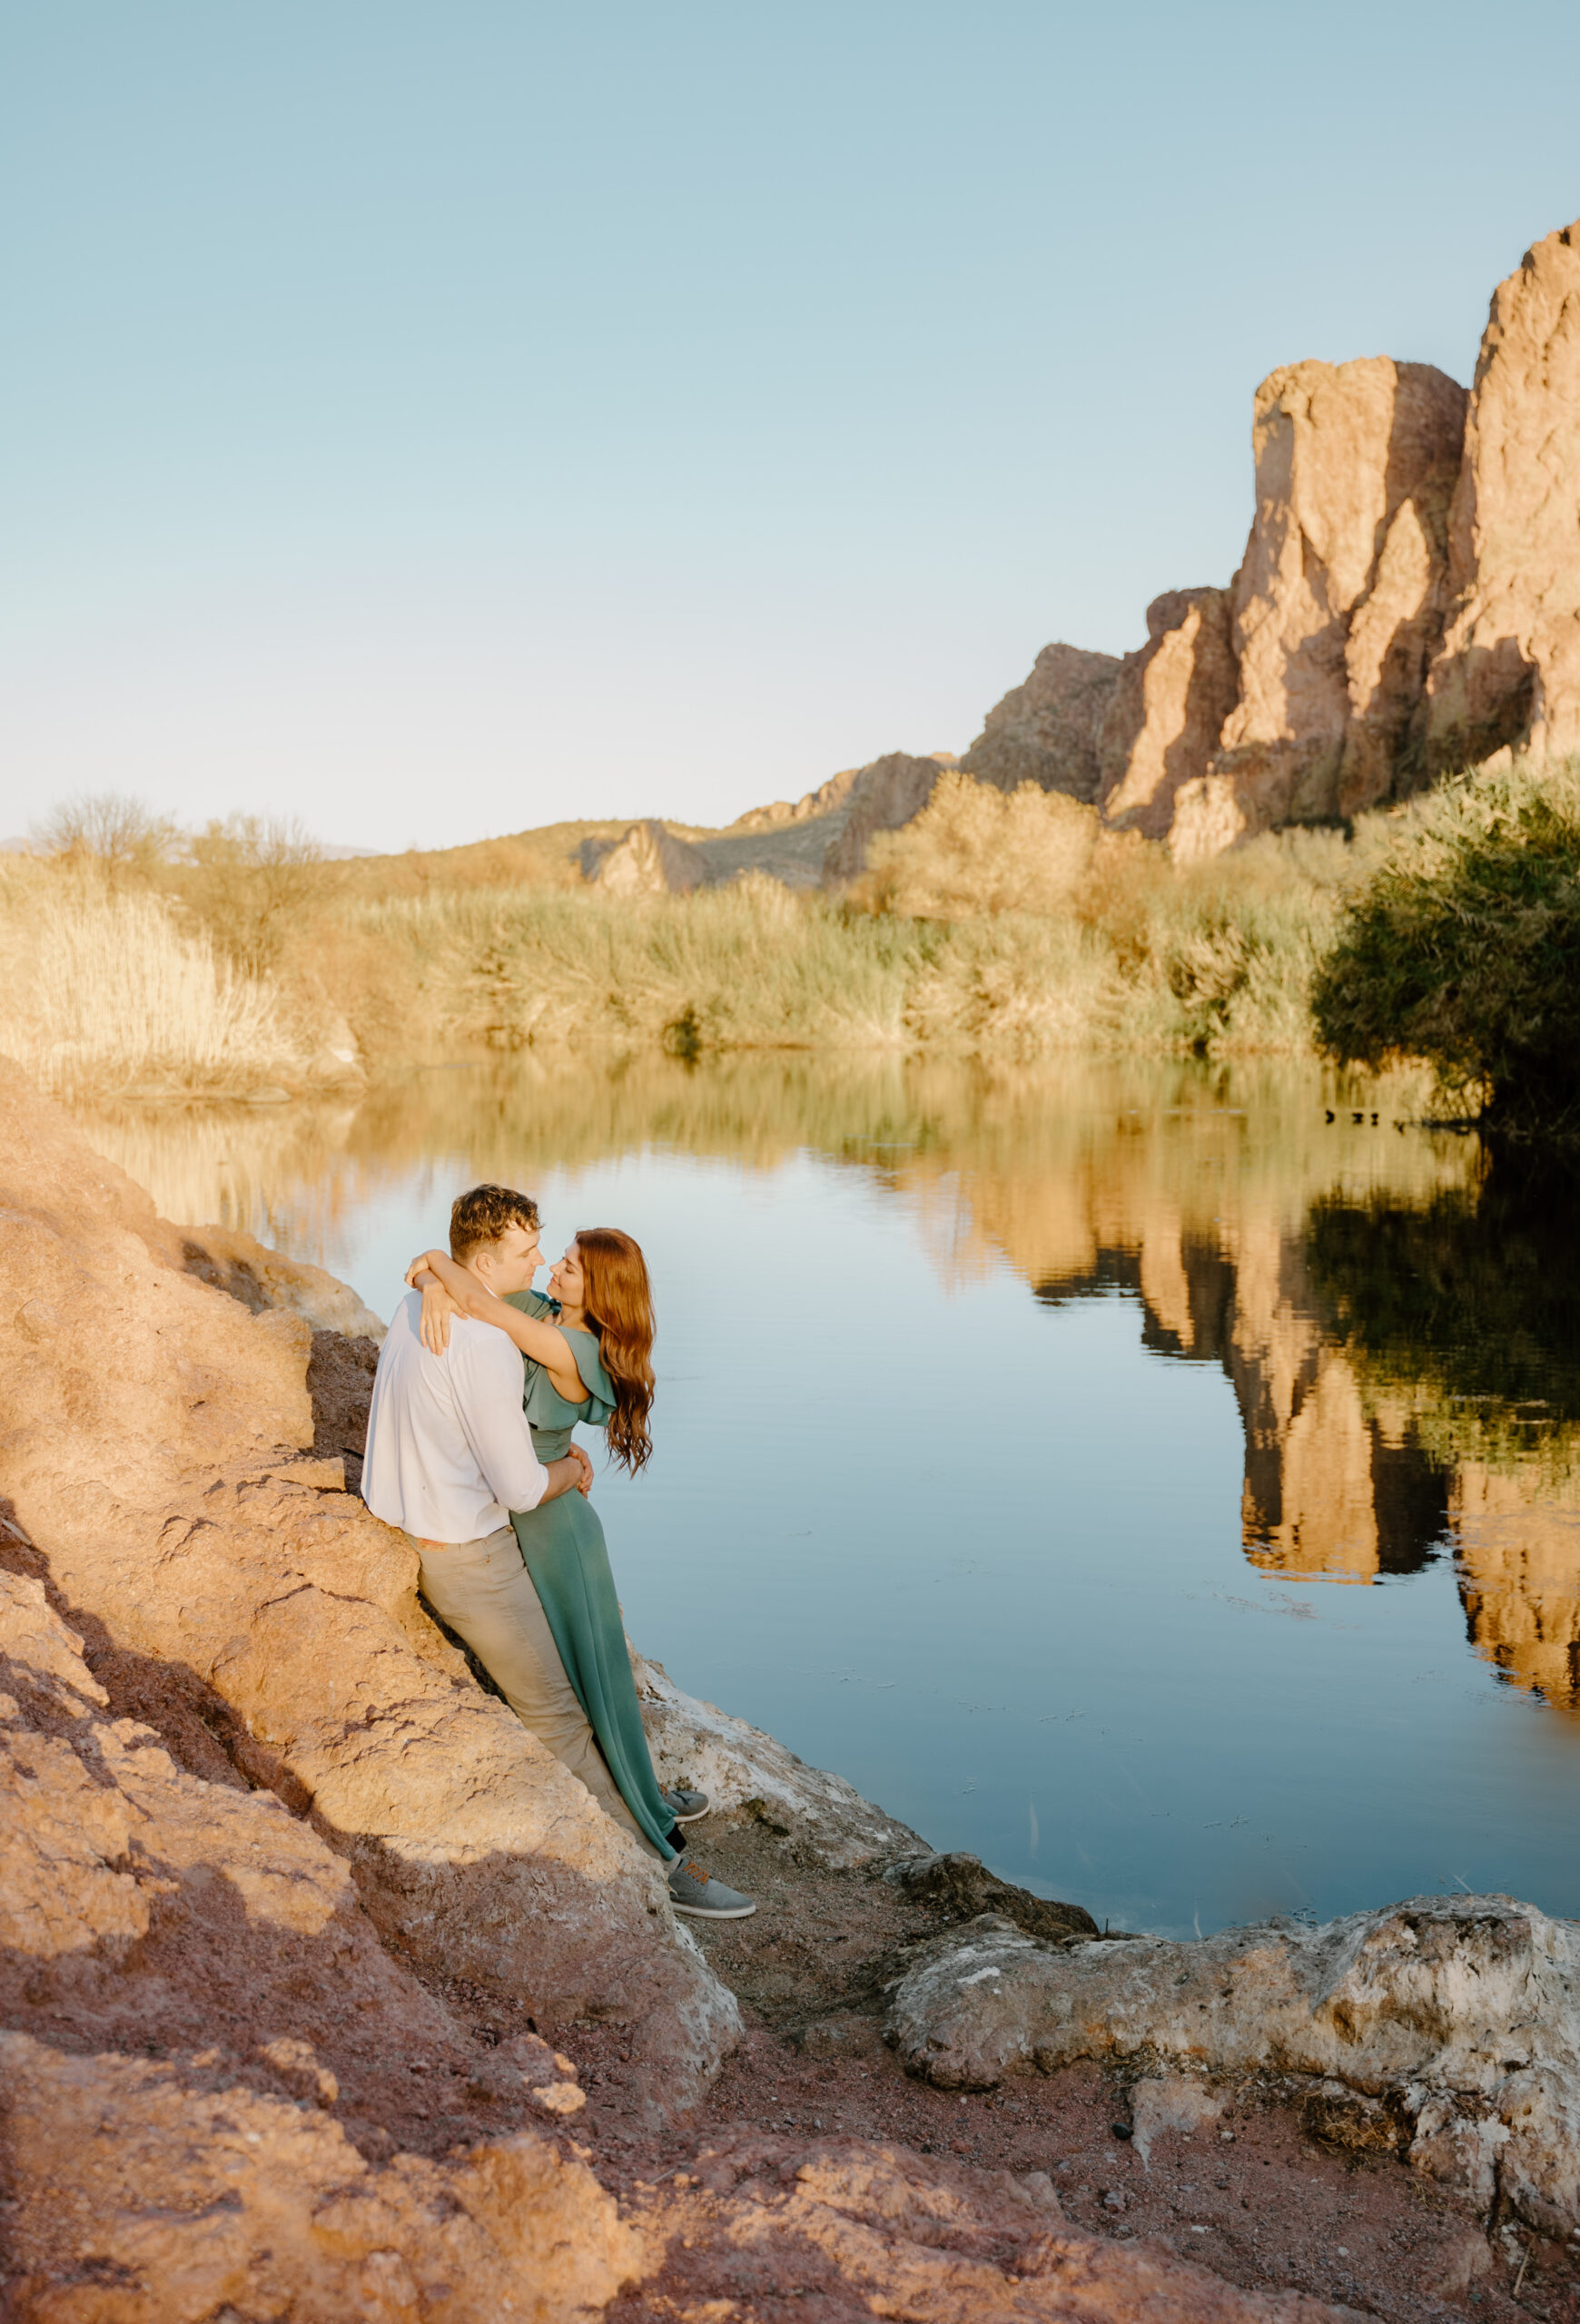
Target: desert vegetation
{"type": "Point", "coordinates": [138, 960]}
{"type": "Point", "coordinates": [999, 924]}
{"type": "Point", "coordinates": [1462, 947]}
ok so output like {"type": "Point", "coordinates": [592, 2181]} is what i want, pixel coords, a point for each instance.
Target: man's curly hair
{"type": "Point", "coordinates": [483, 1214]}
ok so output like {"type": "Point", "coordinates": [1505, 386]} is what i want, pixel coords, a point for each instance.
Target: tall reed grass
{"type": "Point", "coordinates": [104, 990]}
{"type": "Point", "coordinates": [994, 924]}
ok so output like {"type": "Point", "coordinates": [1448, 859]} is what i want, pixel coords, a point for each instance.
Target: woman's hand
{"type": "Point", "coordinates": [438, 1308]}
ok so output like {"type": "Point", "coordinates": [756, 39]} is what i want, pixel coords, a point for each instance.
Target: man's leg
{"type": "Point", "coordinates": [483, 1590]}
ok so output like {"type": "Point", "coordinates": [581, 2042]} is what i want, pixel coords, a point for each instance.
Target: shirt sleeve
{"type": "Point", "coordinates": [487, 1377]}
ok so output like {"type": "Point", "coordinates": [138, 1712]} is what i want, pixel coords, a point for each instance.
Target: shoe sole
{"type": "Point", "coordinates": [714, 1912]}
{"type": "Point", "coordinates": [696, 1815]}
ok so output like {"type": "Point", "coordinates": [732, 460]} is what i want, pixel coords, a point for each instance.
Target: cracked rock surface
{"type": "Point", "coordinates": [1461, 2016]}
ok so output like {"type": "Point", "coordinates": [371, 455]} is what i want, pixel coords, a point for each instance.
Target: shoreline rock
{"type": "Point", "coordinates": [153, 1473]}
{"type": "Point", "coordinates": [280, 1884]}
{"type": "Point", "coordinates": [1460, 2015]}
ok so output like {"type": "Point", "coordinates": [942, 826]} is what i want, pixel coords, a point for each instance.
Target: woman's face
{"type": "Point", "coordinates": [567, 1284]}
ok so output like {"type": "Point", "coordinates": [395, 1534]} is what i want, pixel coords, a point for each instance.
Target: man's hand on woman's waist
{"type": "Point", "coordinates": [572, 1473]}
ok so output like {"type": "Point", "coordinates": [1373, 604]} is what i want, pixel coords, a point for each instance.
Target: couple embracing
{"type": "Point", "coordinates": [480, 1382]}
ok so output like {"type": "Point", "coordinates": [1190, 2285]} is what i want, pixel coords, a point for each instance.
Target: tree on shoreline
{"type": "Point", "coordinates": [1463, 949]}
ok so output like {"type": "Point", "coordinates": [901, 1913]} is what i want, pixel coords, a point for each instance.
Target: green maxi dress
{"type": "Point", "coordinates": [563, 1548]}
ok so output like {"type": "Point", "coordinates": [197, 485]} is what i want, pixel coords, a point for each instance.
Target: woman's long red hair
{"type": "Point", "coordinates": [619, 1305]}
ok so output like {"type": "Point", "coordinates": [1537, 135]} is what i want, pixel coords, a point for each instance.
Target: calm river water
{"type": "Point", "coordinates": [1123, 1472]}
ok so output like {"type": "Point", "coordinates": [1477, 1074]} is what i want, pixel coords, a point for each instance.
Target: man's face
{"type": "Point", "coordinates": [510, 1264]}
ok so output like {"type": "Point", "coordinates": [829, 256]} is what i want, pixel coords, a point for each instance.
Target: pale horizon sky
{"type": "Point", "coordinates": [437, 422]}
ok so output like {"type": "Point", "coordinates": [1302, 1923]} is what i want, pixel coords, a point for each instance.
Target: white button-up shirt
{"type": "Point", "coordinates": [450, 1453]}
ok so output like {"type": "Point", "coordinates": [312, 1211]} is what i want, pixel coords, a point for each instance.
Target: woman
{"type": "Point", "coordinates": [587, 1347]}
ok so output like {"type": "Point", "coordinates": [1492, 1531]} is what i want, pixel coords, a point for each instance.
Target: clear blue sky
{"type": "Point", "coordinates": [436, 421]}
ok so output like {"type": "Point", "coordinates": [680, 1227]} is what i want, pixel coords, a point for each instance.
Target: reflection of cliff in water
{"type": "Point", "coordinates": [1407, 1366]}
{"type": "Point", "coordinates": [1332, 1488]}
{"type": "Point", "coordinates": [1467, 1309]}
{"type": "Point", "coordinates": [1395, 1334]}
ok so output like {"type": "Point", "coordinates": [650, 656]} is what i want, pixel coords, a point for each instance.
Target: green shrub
{"type": "Point", "coordinates": [1463, 947]}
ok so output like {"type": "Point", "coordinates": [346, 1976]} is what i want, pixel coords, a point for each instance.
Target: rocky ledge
{"type": "Point", "coordinates": [326, 1993]}
{"type": "Point", "coordinates": [1444, 2029]}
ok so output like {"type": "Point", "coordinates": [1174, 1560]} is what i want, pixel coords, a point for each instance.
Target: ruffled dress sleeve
{"type": "Point", "coordinates": [546, 1407]}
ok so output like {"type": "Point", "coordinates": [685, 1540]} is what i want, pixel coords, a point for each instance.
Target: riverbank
{"type": "Point", "coordinates": [325, 1993]}
{"type": "Point", "coordinates": [113, 989]}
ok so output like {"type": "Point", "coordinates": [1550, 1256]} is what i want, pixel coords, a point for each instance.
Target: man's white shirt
{"type": "Point", "coordinates": [450, 1453]}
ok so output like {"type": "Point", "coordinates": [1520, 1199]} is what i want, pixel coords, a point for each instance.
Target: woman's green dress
{"type": "Point", "coordinates": [563, 1547]}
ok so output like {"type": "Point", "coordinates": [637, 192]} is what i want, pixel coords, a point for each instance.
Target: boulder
{"type": "Point", "coordinates": [213, 2027]}
{"type": "Point", "coordinates": [962, 1886]}
{"type": "Point", "coordinates": [1508, 667]}
{"type": "Point", "coordinates": [1342, 596]}
{"type": "Point", "coordinates": [1045, 732]}
{"type": "Point", "coordinates": [650, 861]}
{"type": "Point", "coordinates": [1165, 713]}
{"type": "Point", "coordinates": [888, 793]}
{"type": "Point", "coordinates": [262, 1279]}
{"type": "Point", "coordinates": [1463, 2013]}
{"type": "Point", "coordinates": [144, 1905]}
{"type": "Point", "coordinates": [155, 2192]}
{"type": "Point", "coordinates": [155, 1475]}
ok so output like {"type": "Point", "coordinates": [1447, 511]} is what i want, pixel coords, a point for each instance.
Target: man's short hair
{"type": "Point", "coordinates": [483, 1215]}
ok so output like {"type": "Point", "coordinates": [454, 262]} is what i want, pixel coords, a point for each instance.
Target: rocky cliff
{"type": "Point", "coordinates": [1409, 602]}
{"type": "Point", "coordinates": [889, 793]}
{"type": "Point", "coordinates": [1341, 596]}
{"type": "Point", "coordinates": [1045, 731]}
{"type": "Point", "coordinates": [1507, 672]}
{"type": "Point", "coordinates": [1163, 719]}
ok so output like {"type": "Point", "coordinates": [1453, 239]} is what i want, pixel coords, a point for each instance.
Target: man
{"type": "Point", "coordinates": [450, 1454]}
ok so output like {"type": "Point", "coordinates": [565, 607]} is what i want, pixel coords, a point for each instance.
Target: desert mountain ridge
{"type": "Point", "coordinates": [1408, 605]}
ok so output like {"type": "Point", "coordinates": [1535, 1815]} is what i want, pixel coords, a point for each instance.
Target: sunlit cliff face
{"type": "Point", "coordinates": [1339, 1273]}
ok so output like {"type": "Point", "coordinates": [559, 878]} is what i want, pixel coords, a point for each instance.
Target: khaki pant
{"type": "Point", "coordinates": [484, 1592]}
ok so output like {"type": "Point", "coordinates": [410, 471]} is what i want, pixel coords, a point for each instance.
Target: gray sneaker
{"type": "Point", "coordinates": [692, 1892]}
{"type": "Point", "coordinates": [686, 1805]}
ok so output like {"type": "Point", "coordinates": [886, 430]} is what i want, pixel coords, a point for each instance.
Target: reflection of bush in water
{"type": "Point", "coordinates": [1469, 1305]}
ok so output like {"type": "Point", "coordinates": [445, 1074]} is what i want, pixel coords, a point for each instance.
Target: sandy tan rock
{"type": "Point", "coordinates": [866, 2228]}
{"type": "Point", "coordinates": [650, 861]}
{"type": "Point", "coordinates": [144, 2195]}
{"type": "Point", "coordinates": [1466, 2011]}
{"type": "Point", "coordinates": [144, 1907]}
{"type": "Point", "coordinates": [151, 1463]}
{"type": "Point", "coordinates": [827, 797]}
{"type": "Point", "coordinates": [262, 1279]}
{"type": "Point", "coordinates": [1342, 599]}
{"type": "Point", "coordinates": [1508, 669]}
{"type": "Point", "coordinates": [1209, 817]}
{"type": "Point", "coordinates": [693, 1743]}
{"type": "Point", "coordinates": [247, 2170]}
{"type": "Point", "coordinates": [1165, 717]}
{"type": "Point", "coordinates": [889, 793]}
{"type": "Point", "coordinates": [1045, 731]}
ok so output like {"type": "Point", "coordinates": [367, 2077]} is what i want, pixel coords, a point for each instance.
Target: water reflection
{"type": "Point", "coordinates": [1399, 1326]}
{"type": "Point", "coordinates": [1461, 1316]}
